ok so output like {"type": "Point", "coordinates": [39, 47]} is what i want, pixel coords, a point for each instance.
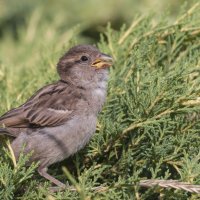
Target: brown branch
{"type": "Point", "coordinates": [175, 184]}
{"type": "Point", "coordinates": [149, 183]}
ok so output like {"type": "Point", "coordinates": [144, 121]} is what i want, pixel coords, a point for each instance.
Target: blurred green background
{"type": "Point", "coordinates": [50, 16]}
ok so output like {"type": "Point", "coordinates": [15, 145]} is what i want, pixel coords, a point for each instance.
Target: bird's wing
{"type": "Point", "coordinates": [50, 106]}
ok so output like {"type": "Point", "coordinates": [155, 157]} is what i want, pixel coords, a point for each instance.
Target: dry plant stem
{"type": "Point", "coordinates": [12, 153]}
{"type": "Point", "coordinates": [130, 29]}
{"type": "Point", "coordinates": [188, 13]}
{"type": "Point", "coordinates": [175, 184]}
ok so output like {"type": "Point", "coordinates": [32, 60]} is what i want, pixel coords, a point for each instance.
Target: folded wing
{"type": "Point", "coordinates": [50, 106]}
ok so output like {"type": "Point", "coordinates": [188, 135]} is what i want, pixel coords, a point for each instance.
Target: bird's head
{"type": "Point", "coordinates": [84, 65]}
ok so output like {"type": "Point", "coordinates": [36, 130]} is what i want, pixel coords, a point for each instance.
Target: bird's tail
{"type": "Point", "coordinates": [4, 131]}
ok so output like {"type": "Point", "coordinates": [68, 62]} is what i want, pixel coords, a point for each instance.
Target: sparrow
{"type": "Point", "coordinates": [60, 118]}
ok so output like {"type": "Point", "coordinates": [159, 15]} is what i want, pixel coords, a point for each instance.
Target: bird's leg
{"type": "Point", "coordinates": [43, 172]}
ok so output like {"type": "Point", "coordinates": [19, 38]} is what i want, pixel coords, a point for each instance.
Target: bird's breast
{"type": "Point", "coordinates": [97, 99]}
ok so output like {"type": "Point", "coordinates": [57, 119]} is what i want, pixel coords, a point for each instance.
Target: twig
{"type": "Point", "coordinates": [129, 30]}
{"type": "Point", "coordinates": [192, 102]}
{"type": "Point", "coordinates": [196, 31]}
{"type": "Point", "coordinates": [156, 100]}
{"type": "Point", "coordinates": [188, 13]}
{"type": "Point", "coordinates": [124, 132]}
{"type": "Point", "coordinates": [137, 125]}
{"type": "Point", "coordinates": [12, 153]}
{"type": "Point", "coordinates": [174, 184]}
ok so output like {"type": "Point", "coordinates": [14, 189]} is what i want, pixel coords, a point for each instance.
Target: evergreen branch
{"type": "Point", "coordinates": [120, 136]}
{"type": "Point", "coordinates": [163, 35]}
{"type": "Point", "coordinates": [136, 125]}
{"type": "Point", "coordinates": [148, 34]}
{"type": "Point", "coordinates": [157, 99]}
{"type": "Point", "coordinates": [166, 29]}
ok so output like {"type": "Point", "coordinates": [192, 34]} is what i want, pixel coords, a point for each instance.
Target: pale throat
{"type": "Point", "coordinates": [99, 92]}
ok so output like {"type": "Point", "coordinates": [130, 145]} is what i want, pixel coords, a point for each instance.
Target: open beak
{"type": "Point", "coordinates": [103, 61]}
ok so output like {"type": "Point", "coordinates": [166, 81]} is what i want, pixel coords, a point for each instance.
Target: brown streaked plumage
{"type": "Point", "coordinates": [61, 117]}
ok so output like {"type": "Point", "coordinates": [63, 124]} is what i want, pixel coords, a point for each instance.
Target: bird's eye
{"type": "Point", "coordinates": [84, 58]}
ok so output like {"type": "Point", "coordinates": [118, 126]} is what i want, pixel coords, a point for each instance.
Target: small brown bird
{"type": "Point", "coordinates": [60, 118]}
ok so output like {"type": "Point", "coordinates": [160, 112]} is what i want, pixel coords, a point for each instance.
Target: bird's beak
{"type": "Point", "coordinates": [103, 61]}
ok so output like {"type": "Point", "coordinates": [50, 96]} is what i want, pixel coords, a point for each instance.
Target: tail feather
{"type": "Point", "coordinates": [4, 131]}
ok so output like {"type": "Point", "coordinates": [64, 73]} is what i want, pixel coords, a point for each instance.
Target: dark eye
{"type": "Point", "coordinates": [84, 58]}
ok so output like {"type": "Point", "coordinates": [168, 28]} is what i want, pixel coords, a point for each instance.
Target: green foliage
{"type": "Point", "coordinates": [149, 128]}
{"type": "Point", "coordinates": [15, 177]}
